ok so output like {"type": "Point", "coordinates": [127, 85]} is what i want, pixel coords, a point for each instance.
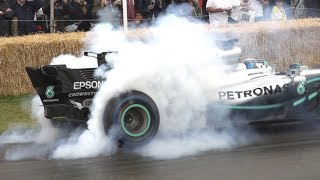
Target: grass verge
{"type": "Point", "coordinates": [15, 111]}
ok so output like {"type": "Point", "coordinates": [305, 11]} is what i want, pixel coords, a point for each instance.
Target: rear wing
{"type": "Point", "coordinates": [101, 57]}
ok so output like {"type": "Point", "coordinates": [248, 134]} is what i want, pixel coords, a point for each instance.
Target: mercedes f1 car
{"type": "Point", "coordinates": [262, 95]}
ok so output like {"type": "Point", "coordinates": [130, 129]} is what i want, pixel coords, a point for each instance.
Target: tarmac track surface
{"type": "Point", "coordinates": [284, 153]}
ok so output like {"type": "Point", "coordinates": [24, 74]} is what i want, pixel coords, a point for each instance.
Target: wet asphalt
{"type": "Point", "coordinates": [289, 152]}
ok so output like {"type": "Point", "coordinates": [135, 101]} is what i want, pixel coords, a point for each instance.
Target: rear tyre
{"type": "Point", "coordinates": [135, 115]}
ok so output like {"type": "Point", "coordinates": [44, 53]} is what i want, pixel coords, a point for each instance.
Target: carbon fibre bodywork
{"type": "Point", "coordinates": [55, 86]}
{"type": "Point", "coordinates": [261, 95]}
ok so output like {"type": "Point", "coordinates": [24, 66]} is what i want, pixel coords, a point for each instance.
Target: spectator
{"type": "Point", "coordinates": [41, 22]}
{"type": "Point", "coordinates": [286, 6]}
{"type": "Point", "coordinates": [139, 6]}
{"type": "Point", "coordinates": [130, 10]}
{"type": "Point", "coordinates": [95, 8]}
{"type": "Point", "coordinates": [299, 10]}
{"type": "Point", "coordinates": [240, 11]}
{"type": "Point", "coordinates": [5, 15]}
{"type": "Point", "coordinates": [165, 4]}
{"type": "Point", "coordinates": [219, 11]}
{"type": "Point", "coordinates": [153, 9]}
{"type": "Point", "coordinates": [197, 11]}
{"type": "Point", "coordinates": [111, 12]}
{"type": "Point", "coordinates": [182, 8]}
{"type": "Point", "coordinates": [257, 7]}
{"type": "Point", "coordinates": [25, 12]}
{"type": "Point", "coordinates": [278, 13]}
{"type": "Point", "coordinates": [80, 10]}
{"type": "Point", "coordinates": [285, 2]}
{"type": "Point", "coordinates": [138, 21]}
{"type": "Point", "coordinates": [204, 13]}
{"type": "Point", "coordinates": [60, 10]}
{"type": "Point", "coordinates": [266, 9]}
{"type": "Point", "coordinates": [118, 5]}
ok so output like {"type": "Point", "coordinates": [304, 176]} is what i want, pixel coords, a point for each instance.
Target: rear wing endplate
{"type": "Point", "coordinates": [101, 57]}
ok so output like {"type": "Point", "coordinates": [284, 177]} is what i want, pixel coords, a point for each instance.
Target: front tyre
{"type": "Point", "coordinates": [136, 115]}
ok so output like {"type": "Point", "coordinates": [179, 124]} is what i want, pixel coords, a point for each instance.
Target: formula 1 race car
{"type": "Point", "coordinates": [261, 95]}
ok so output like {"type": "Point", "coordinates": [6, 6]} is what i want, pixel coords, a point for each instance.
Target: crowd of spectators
{"type": "Point", "coordinates": [32, 16]}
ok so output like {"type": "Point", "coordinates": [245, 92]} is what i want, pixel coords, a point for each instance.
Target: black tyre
{"type": "Point", "coordinates": [136, 115]}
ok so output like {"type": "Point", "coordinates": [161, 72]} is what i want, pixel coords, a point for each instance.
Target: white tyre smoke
{"type": "Point", "coordinates": [167, 67]}
{"type": "Point", "coordinates": [177, 66]}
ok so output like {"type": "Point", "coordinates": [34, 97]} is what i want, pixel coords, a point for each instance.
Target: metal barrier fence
{"type": "Point", "coordinates": [68, 25]}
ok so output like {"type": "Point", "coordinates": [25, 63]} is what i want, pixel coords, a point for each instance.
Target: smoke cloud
{"type": "Point", "coordinates": [177, 65]}
{"type": "Point", "coordinates": [21, 143]}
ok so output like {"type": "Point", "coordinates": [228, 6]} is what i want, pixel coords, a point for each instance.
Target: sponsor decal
{"type": "Point", "coordinates": [81, 94]}
{"type": "Point", "coordinates": [87, 85]}
{"type": "Point", "coordinates": [50, 100]}
{"type": "Point", "coordinates": [261, 91]}
{"type": "Point", "coordinates": [87, 103]}
{"type": "Point", "coordinates": [49, 92]}
{"type": "Point", "coordinates": [301, 88]}
{"type": "Point", "coordinates": [77, 104]}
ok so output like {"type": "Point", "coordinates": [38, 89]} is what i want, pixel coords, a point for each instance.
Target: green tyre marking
{"type": "Point", "coordinates": [122, 120]}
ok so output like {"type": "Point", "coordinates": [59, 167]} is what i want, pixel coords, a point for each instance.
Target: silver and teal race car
{"type": "Point", "coordinates": [260, 95]}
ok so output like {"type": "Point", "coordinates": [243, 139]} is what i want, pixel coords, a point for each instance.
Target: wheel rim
{"type": "Point", "coordinates": [135, 120]}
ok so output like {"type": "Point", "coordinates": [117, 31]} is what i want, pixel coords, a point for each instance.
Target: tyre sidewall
{"type": "Point", "coordinates": [114, 113]}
